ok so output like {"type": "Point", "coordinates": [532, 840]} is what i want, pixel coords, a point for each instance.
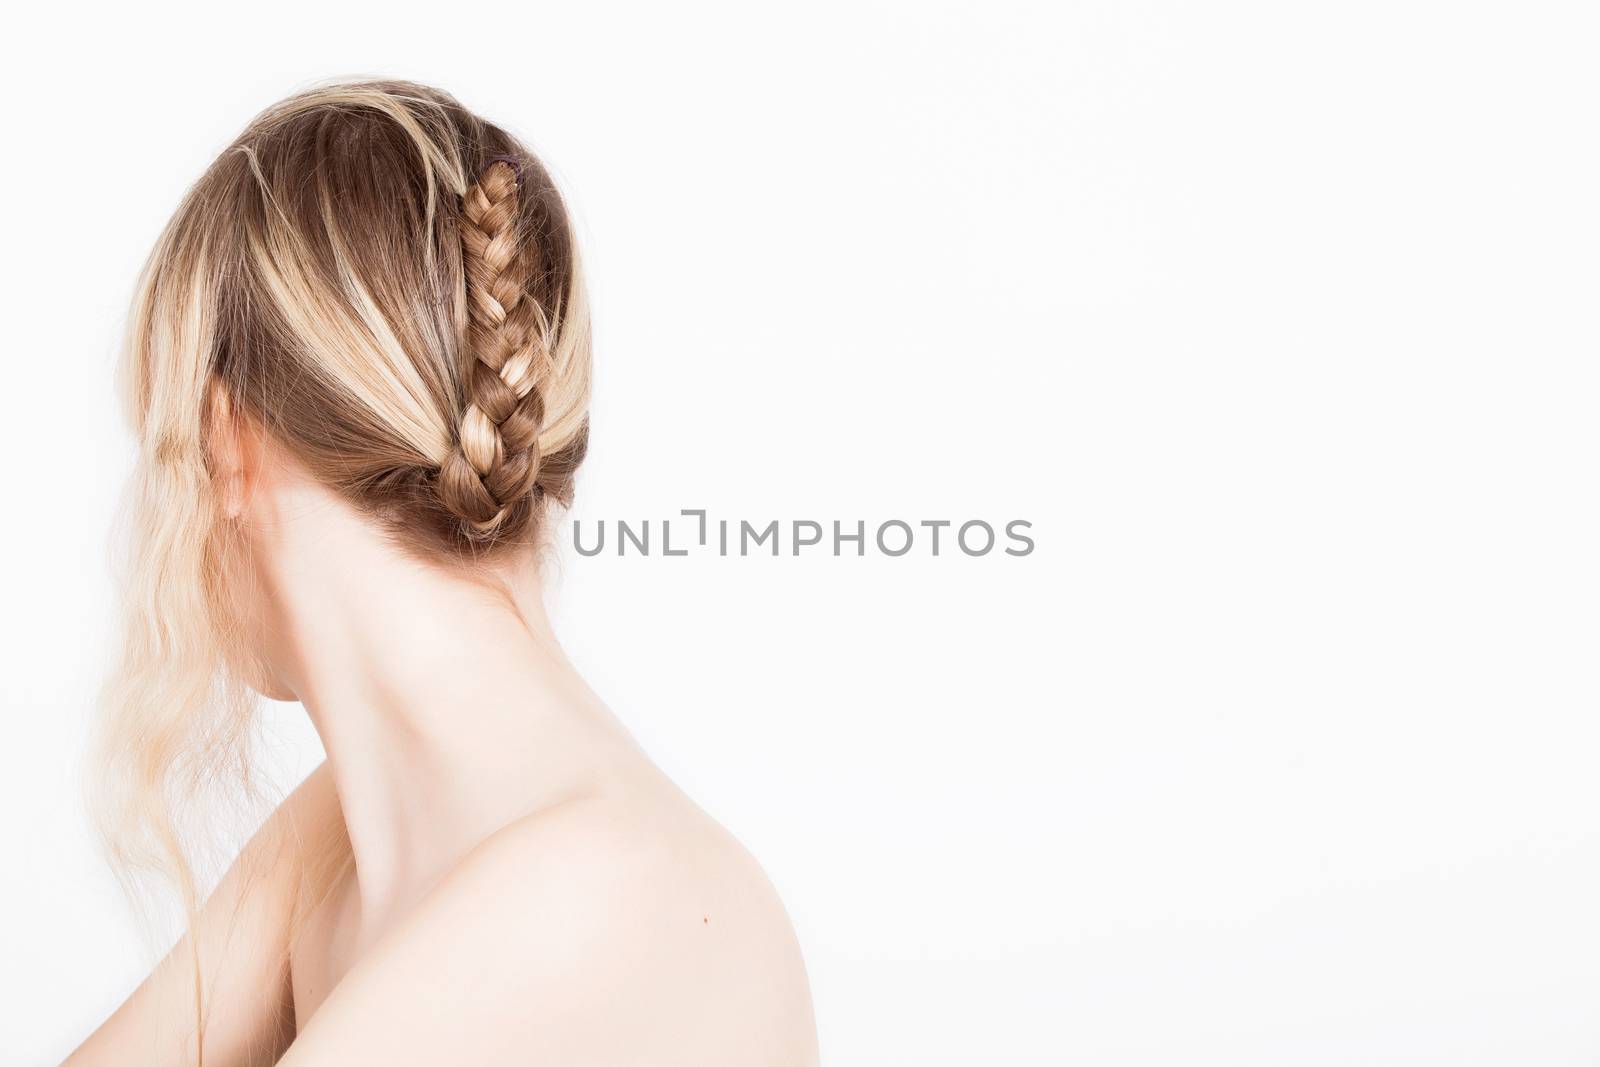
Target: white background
{"type": "Point", "coordinates": [1279, 323]}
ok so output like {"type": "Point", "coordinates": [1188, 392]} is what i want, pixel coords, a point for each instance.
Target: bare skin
{"type": "Point", "coordinates": [527, 888]}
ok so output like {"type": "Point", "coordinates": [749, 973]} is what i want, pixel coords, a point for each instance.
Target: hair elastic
{"type": "Point", "coordinates": [511, 161]}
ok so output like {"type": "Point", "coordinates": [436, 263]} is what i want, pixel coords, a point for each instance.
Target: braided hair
{"type": "Point", "coordinates": [494, 465]}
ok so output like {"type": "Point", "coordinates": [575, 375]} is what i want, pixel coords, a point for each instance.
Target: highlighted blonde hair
{"type": "Point", "coordinates": [389, 286]}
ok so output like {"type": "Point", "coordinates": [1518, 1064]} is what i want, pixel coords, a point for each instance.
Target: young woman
{"type": "Point", "coordinates": [358, 371]}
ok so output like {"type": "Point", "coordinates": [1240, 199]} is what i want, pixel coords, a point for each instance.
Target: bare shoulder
{"type": "Point", "coordinates": [614, 929]}
{"type": "Point", "coordinates": [656, 888]}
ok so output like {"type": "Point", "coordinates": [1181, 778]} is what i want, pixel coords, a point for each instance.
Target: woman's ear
{"type": "Point", "coordinates": [229, 445]}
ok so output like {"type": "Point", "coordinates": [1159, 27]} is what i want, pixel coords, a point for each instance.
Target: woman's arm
{"type": "Point", "coordinates": [243, 934]}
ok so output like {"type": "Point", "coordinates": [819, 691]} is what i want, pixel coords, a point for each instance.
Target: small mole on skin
{"type": "Point", "coordinates": [705, 918]}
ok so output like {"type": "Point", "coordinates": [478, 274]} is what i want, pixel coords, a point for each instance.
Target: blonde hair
{"type": "Point", "coordinates": [389, 286]}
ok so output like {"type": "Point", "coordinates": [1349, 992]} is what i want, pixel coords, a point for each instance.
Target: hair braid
{"type": "Point", "coordinates": [494, 465]}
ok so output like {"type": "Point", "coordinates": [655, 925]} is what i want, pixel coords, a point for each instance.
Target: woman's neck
{"type": "Point", "coordinates": [446, 706]}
